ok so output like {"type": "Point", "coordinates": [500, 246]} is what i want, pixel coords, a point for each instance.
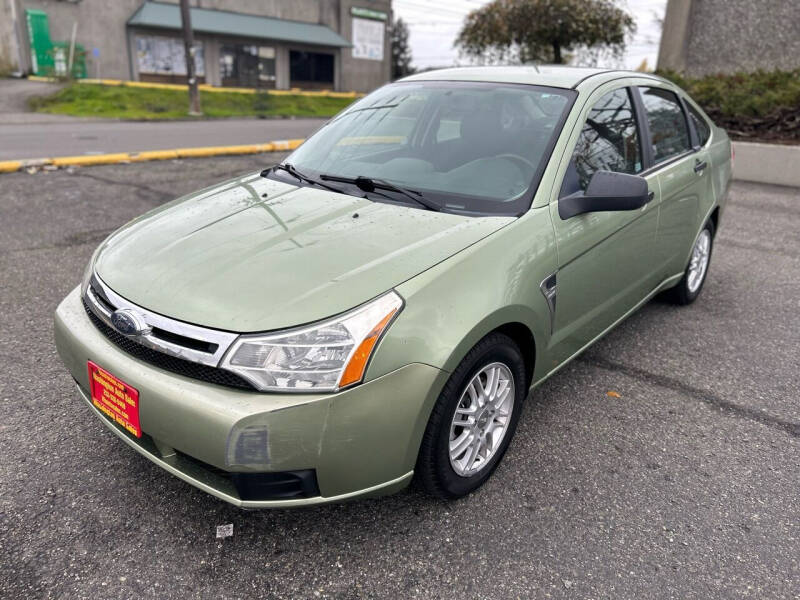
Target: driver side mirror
{"type": "Point", "coordinates": [607, 191]}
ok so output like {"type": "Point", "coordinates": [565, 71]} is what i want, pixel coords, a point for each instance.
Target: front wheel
{"type": "Point", "coordinates": [473, 420]}
{"type": "Point", "coordinates": [690, 286]}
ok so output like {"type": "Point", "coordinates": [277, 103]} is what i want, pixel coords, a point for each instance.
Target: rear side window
{"type": "Point", "coordinates": [700, 124]}
{"type": "Point", "coordinates": [609, 140]}
{"type": "Point", "coordinates": [668, 129]}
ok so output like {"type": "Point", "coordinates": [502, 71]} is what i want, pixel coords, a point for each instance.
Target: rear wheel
{"type": "Point", "coordinates": [473, 420]}
{"type": "Point", "coordinates": [690, 286]}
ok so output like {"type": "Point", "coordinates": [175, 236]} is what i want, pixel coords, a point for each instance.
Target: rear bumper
{"type": "Point", "coordinates": [360, 442]}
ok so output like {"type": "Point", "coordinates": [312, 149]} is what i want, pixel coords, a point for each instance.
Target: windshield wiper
{"type": "Point", "coordinates": [289, 168]}
{"type": "Point", "coordinates": [371, 184]}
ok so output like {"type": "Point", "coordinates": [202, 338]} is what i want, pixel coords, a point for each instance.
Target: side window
{"type": "Point", "coordinates": [668, 128]}
{"type": "Point", "coordinates": [609, 141]}
{"type": "Point", "coordinates": [700, 124]}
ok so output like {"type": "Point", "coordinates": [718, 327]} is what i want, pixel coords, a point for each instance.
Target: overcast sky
{"type": "Point", "coordinates": [434, 26]}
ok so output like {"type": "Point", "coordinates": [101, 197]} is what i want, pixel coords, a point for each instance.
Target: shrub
{"type": "Point", "coordinates": [764, 105]}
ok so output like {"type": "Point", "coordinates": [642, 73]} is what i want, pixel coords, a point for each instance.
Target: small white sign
{"type": "Point", "coordinates": [368, 38]}
{"type": "Point", "coordinates": [225, 531]}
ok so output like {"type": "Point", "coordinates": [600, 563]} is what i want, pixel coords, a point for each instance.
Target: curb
{"type": "Point", "coordinates": [10, 166]}
{"type": "Point", "coordinates": [204, 87]}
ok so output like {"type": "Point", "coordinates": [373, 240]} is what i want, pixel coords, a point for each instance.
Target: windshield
{"type": "Point", "coordinates": [471, 148]}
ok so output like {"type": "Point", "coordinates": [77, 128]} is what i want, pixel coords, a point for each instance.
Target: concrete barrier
{"type": "Point", "coordinates": [767, 163]}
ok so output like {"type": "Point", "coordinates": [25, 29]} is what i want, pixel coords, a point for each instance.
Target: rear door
{"type": "Point", "coordinates": [606, 260]}
{"type": "Point", "coordinates": [683, 172]}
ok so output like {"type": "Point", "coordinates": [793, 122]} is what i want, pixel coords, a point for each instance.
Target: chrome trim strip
{"type": "Point", "coordinates": [222, 339]}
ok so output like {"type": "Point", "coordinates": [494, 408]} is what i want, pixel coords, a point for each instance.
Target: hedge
{"type": "Point", "coordinates": [760, 106]}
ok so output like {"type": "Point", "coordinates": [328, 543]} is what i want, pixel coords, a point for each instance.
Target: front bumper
{"type": "Point", "coordinates": [362, 441]}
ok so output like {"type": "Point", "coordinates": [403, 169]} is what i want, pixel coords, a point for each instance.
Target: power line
{"type": "Point", "coordinates": [429, 9]}
{"type": "Point", "coordinates": [431, 23]}
{"type": "Point", "coordinates": [472, 3]}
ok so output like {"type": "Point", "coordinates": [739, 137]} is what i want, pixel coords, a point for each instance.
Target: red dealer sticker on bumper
{"type": "Point", "coordinates": [115, 399]}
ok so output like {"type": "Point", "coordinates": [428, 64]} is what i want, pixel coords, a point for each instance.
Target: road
{"type": "Point", "coordinates": [684, 486]}
{"type": "Point", "coordinates": [25, 135]}
{"type": "Point", "coordinates": [72, 137]}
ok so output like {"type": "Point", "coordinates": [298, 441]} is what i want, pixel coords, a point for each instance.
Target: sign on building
{"type": "Point", "coordinates": [165, 56]}
{"type": "Point", "coordinates": [369, 29]}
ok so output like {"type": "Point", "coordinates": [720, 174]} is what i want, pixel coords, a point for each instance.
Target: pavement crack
{"type": "Point", "coordinates": [758, 248]}
{"type": "Point", "coordinates": [81, 238]}
{"type": "Point", "coordinates": [705, 396]}
{"type": "Point", "coordinates": [160, 196]}
{"type": "Point", "coordinates": [776, 209]}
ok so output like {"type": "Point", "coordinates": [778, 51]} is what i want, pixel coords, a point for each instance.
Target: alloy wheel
{"type": "Point", "coordinates": [699, 261]}
{"type": "Point", "coordinates": [481, 419]}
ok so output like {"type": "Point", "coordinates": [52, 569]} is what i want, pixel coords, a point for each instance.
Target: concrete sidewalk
{"type": "Point", "coordinates": [14, 96]}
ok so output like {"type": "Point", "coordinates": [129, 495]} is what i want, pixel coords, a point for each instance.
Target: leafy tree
{"type": "Point", "coordinates": [401, 52]}
{"type": "Point", "coordinates": [544, 30]}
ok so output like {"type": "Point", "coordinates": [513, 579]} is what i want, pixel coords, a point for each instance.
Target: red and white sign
{"type": "Point", "coordinates": [115, 399]}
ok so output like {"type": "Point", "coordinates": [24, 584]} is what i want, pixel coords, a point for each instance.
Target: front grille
{"type": "Point", "coordinates": [166, 362]}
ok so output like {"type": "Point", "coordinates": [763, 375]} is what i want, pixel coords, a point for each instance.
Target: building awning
{"type": "Point", "coordinates": [168, 16]}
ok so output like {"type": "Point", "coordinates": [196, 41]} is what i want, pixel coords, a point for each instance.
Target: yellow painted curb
{"type": "Point", "coordinates": [153, 155]}
{"type": "Point", "coordinates": [204, 87]}
{"type": "Point", "coordinates": [9, 166]}
{"type": "Point", "coordinates": [210, 88]}
{"type": "Point", "coordinates": [90, 159]}
{"type": "Point", "coordinates": [44, 79]}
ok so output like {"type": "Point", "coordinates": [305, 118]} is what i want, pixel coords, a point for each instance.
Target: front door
{"type": "Point", "coordinates": [606, 260]}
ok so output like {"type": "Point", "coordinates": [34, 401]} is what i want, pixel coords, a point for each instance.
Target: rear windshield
{"type": "Point", "coordinates": [472, 148]}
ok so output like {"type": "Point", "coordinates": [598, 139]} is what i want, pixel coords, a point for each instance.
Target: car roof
{"type": "Point", "coordinates": [547, 75]}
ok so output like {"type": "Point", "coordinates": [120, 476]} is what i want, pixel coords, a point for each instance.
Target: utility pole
{"type": "Point", "coordinates": [188, 44]}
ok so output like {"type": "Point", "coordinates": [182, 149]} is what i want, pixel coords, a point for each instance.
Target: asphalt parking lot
{"type": "Point", "coordinates": [686, 485]}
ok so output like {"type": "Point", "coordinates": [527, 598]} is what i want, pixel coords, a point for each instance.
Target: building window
{"type": "Point", "coordinates": [310, 69]}
{"type": "Point", "coordinates": [164, 59]}
{"type": "Point", "coordinates": [243, 65]}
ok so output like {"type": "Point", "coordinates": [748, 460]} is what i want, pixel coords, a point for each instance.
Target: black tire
{"type": "Point", "coordinates": [434, 472]}
{"type": "Point", "coordinates": [681, 294]}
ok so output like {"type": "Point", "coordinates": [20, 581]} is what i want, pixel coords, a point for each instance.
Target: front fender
{"type": "Point", "coordinates": [451, 306]}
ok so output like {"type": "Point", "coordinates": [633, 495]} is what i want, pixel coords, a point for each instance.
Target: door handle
{"type": "Point", "coordinates": [699, 166]}
{"type": "Point", "coordinates": [650, 196]}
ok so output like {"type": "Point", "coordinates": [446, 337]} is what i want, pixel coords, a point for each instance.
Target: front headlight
{"type": "Point", "coordinates": [322, 357]}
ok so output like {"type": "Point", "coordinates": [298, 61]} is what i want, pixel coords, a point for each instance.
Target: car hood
{"type": "Point", "coordinates": [253, 254]}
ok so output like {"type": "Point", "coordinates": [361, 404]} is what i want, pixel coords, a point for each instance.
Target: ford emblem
{"type": "Point", "coordinates": [129, 322]}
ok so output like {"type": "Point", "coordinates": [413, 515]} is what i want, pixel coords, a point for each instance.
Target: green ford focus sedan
{"type": "Point", "coordinates": [375, 309]}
